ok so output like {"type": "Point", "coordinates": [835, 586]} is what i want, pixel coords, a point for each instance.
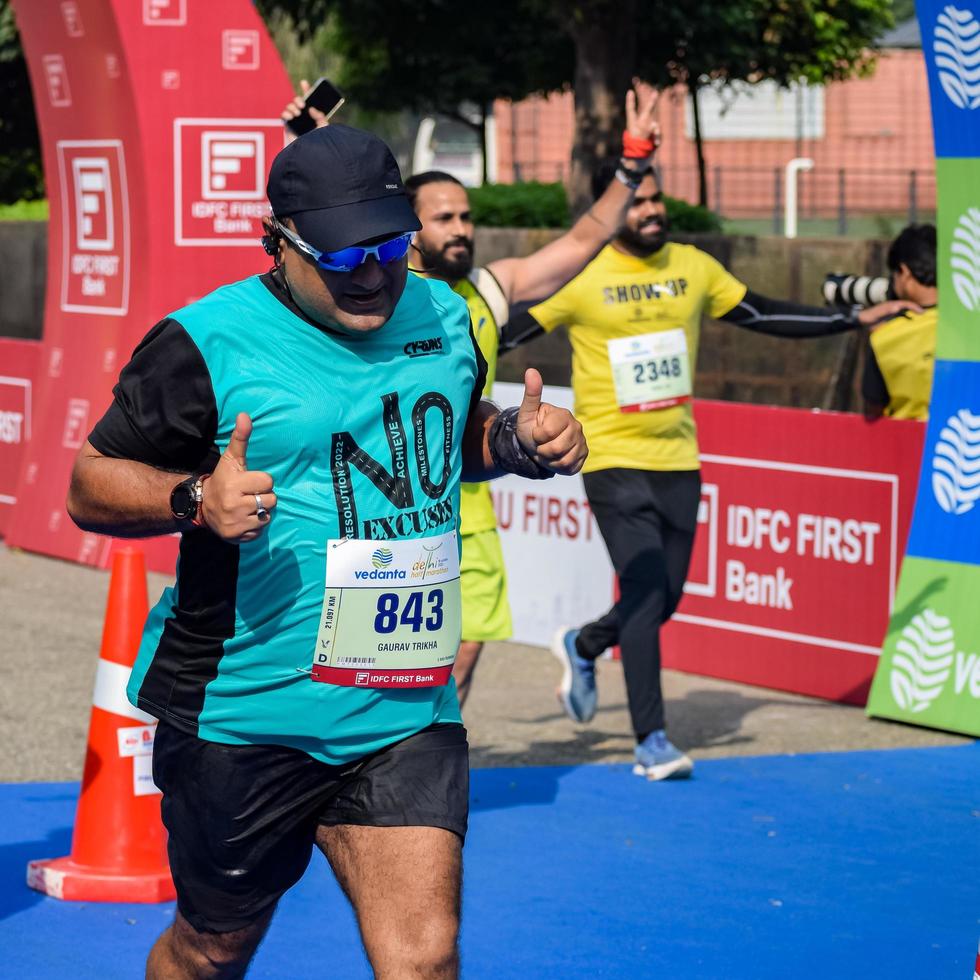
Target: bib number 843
{"type": "Point", "coordinates": [414, 613]}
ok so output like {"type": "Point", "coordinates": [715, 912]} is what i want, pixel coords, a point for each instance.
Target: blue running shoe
{"type": "Point", "coordinates": [577, 691]}
{"type": "Point", "coordinates": [658, 758]}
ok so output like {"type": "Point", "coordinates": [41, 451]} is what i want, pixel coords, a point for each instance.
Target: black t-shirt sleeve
{"type": "Point", "coordinates": [481, 375]}
{"type": "Point", "coordinates": [520, 327]}
{"type": "Point", "coordinates": [780, 318]}
{"type": "Point", "coordinates": [163, 411]}
{"type": "Point", "coordinates": [874, 390]}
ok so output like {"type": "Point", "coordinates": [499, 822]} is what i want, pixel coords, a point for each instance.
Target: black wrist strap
{"type": "Point", "coordinates": [507, 452]}
{"type": "Point", "coordinates": [628, 177]}
{"type": "Point", "coordinates": [632, 176]}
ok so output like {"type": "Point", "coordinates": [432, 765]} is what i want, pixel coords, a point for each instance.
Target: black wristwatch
{"type": "Point", "coordinates": [185, 499]}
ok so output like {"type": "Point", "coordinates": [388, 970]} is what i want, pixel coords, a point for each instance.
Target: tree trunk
{"type": "Point", "coordinates": [699, 144]}
{"type": "Point", "coordinates": [604, 34]}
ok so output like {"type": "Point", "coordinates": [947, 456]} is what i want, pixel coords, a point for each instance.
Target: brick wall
{"type": "Point", "coordinates": [878, 130]}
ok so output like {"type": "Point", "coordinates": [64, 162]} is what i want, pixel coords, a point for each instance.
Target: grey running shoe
{"type": "Point", "coordinates": [577, 691]}
{"type": "Point", "coordinates": [658, 758]}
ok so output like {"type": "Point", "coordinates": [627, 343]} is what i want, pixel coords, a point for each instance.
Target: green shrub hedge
{"type": "Point", "coordinates": [536, 205]}
{"type": "Point", "coordinates": [685, 216]}
{"type": "Point", "coordinates": [527, 205]}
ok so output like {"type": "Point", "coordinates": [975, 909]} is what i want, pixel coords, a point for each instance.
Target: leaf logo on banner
{"type": "Point", "coordinates": [956, 463]}
{"type": "Point", "coordinates": [922, 661]}
{"type": "Point", "coordinates": [965, 259]}
{"type": "Point", "coordinates": [956, 45]}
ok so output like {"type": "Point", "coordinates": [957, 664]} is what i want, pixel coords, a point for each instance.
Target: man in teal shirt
{"type": "Point", "coordinates": [306, 431]}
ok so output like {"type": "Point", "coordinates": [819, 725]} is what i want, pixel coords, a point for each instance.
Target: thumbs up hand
{"type": "Point", "coordinates": [237, 503]}
{"type": "Point", "coordinates": [551, 435]}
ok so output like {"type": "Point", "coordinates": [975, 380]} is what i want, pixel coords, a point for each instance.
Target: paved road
{"type": "Point", "coordinates": [50, 628]}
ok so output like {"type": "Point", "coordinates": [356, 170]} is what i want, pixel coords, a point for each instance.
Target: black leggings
{"type": "Point", "coordinates": [647, 520]}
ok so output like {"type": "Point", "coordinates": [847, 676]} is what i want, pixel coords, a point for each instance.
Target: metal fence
{"type": "Point", "coordinates": [833, 196]}
{"type": "Point", "coordinates": [832, 200]}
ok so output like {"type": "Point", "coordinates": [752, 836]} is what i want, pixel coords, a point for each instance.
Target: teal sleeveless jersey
{"type": "Point", "coordinates": [362, 436]}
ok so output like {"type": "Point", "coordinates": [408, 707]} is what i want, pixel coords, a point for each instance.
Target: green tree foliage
{"type": "Point", "coordinates": [705, 42]}
{"type": "Point", "coordinates": [903, 10]}
{"type": "Point", "coordinates": [21, 173]}
{"type": "Point", "coordinates": [440, 56]}
{"type": "Point", "coordinates": [309, 52]}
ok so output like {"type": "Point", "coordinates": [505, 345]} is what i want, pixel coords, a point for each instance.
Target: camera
{"type": "Point", "coordinates": [842, 290]}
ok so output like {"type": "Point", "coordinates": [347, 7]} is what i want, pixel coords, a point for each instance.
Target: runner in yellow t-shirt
{"type": "Point", "coordinates": [634, 318]}
{"type": "Point", "coordinates": [445, 251]}
{"type": "Point", "coordinates": [901, 352]}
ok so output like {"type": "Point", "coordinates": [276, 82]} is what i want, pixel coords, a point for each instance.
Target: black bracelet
{"type": "Point", "coordinates": [507, 452]}
{"type": "Point", "coordinates": [629, 176]}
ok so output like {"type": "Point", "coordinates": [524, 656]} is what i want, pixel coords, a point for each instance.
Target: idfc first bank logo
{"type": "Point", "coordinates": [95, 269]}
{"type": "Point", "coordinates": [220, 170]}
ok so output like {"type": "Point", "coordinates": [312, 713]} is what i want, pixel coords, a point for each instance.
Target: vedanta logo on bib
{"type": "Point", "coordinates": [386, 573]}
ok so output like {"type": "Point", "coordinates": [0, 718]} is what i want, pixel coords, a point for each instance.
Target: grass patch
{"type": "Point", "coordinates": [24, 211]}
{"type": "Point", "coordinates": [858, 226]}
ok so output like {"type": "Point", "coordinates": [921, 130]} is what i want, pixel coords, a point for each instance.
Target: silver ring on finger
{"type": "Point", "coordinates": [260, 512]}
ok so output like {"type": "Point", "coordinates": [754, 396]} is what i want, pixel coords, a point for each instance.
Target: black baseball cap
{"type": "Point", "coordinates": [340, 186]}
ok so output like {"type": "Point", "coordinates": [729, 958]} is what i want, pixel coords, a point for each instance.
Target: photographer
{"type": "Point", "coordinates": [900, 353]}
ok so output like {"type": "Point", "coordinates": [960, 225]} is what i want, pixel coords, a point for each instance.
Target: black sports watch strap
{"type": "Point", "coordinates": [506, 451]}
{"type": "Point", "coordinates": [185, 499]}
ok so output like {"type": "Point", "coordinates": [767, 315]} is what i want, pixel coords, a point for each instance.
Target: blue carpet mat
{"type": "Point", "coordinates": [860, 864]}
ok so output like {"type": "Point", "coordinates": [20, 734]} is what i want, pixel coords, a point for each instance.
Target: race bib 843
{"type": "Point", "coordinates": [391, 613]}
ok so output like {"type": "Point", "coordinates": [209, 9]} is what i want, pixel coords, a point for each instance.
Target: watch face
{"type": "Point", "coordinates": [182, 502]}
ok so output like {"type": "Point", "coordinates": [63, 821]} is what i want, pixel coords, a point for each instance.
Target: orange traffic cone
{"type": "Point", "coordinates": [119, 847]}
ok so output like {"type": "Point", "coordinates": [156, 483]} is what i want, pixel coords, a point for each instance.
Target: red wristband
{"type": "Point", "coordinates": [635, 148]}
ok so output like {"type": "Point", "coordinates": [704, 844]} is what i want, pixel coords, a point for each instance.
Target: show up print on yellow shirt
{"type": "Point", "coordinates": [634, 325]}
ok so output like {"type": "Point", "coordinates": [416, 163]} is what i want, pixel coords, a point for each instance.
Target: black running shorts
{"type": "Point", "coordinates": [242, 819]}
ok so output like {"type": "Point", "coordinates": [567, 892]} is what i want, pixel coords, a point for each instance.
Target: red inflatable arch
{"type": "Point", "coordinates": [158, 121]}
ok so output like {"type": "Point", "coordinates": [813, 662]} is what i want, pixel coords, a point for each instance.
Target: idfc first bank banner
{"type": "Point", "coordinates": [929, 671]}
{"type": "Point", "coordinates": [159, 120]}
{"type": "Point", "coordinates": [802, 525]}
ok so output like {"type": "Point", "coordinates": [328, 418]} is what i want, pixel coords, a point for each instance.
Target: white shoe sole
{"type": "Point", "coordinates": [678, 769]}
{"type": "Point", "coordinates": [565, 686]}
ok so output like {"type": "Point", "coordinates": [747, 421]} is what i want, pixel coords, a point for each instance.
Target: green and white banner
{"type": "Point", "coordinates": [929, 672]}
{"type": "Point", "coordinates": [930, 668]}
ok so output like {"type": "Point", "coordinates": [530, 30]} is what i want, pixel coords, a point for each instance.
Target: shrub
{"type": "Point", "coordinates": [527, 205]}
{"type": "Point", "coordinates": [690, 217]}
{"type": "Point", "coordinates": [536, 205]}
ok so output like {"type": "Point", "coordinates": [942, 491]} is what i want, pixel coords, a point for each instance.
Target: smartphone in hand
{"type": "Point", "coordinates": [323, 95]}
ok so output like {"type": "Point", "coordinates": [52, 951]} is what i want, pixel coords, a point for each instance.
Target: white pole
{"type": "Point", "coordinates": [423, 156]}
{"type": "Point", "coordinates": [490, 125]}
{"type": "Point", "coordinates": [792, 170]}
